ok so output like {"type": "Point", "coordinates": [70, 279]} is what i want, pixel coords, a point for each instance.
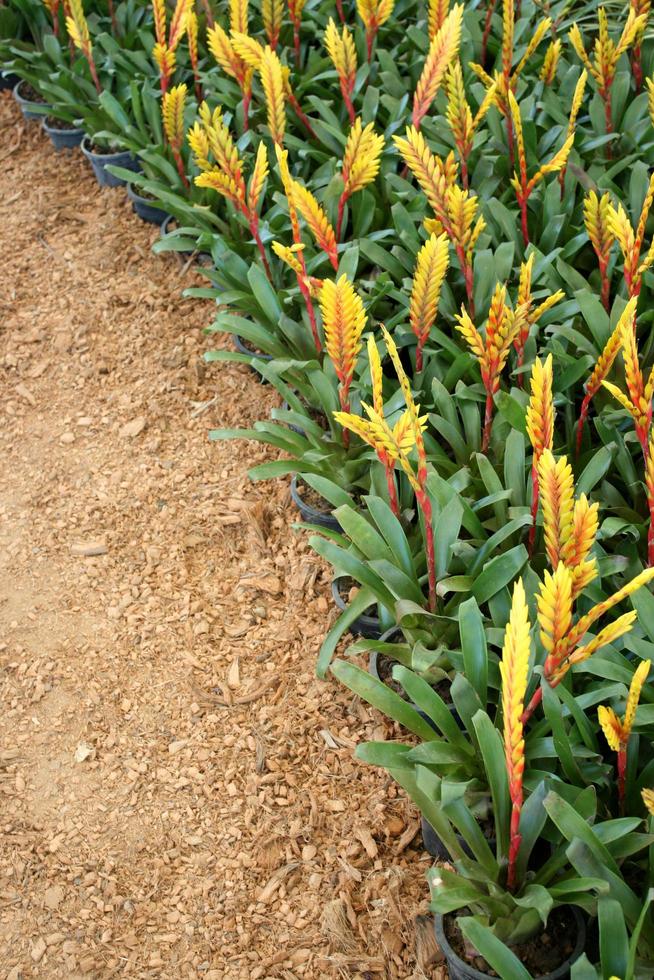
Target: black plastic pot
{"type": "Point", "coordinates": [257, 355]}
{"type": "Point", "coordinates": [63, 139]}
{"type": "Point", "coordinates": [9, 81]}
{"type": "Point", "coordinates": [367, 626]}
{"type": "Point", "coordinates": [26, 107]}
{"type": "Point", "coordinates": [435, 846]}
{"type": "Point", "coordinates": [100, 161]}
{"type": "Point", "coordinates": [310, 514]}
{"type": "Point", "coordinates": [460, 970]}
{"type": "Point", "coordinates": [203, 258]}
{"type": "Point", "coordinates": [145, 208]}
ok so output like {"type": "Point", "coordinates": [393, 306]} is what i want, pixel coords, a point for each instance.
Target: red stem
{"type": "Point", "coordinates": [509, 134]}
{"type": "Point", "coordinates": [533, 704]}
{"type": "Point", "coordinates": [650, 534]}
{"type": "Point", "coordinates": [419, 347]}
{"type": "Point", "coordinates": [247, 98]}
{"type": "Point", "coordinates": [522, 201]}
{"type": "Point", "coordinates": [296, 41]}
{"type": "Point", "coordinates": [608, 117]}
{"type": "Point", "coordinates": [636, 67]}
{"type": "Point", "coordinates": [622, 771]}
{"type": "Point", "coordinates": [112, 15]}
{"type": "Point", "coordinates": [297, 109]}
{"type": "Point", "coordinates": [490, 10]}
{"type": "Point", "coordinates": [392, 489]}
{"type": "Point", "coordinates": [253, 221]}
{"type": "Point", "coordinates": [606, 285]}
{"type": "Point", "coordinates": [583, 415]}
{"type": "Point", "coordinates": [208, 11]}
{"type": "Point", "coordinates": [370, 40]}
{"type": "Point", "coordinates": [180, 165]}
{"type": "Point", "coordinates": [339, 8]}
{"type": "Point", "coordinates": [514, 845]}
{"type": "Point", "coordinates": [348, 104]}
{"type": "Point", "coordinates": [488, 422]}
{"type": "Point", "coordinates": [425, 506]}
{"type": "Point", "coordinates": [464, 172]}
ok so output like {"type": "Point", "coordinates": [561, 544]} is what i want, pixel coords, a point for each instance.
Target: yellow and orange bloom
{"type": "Point", "coordinates": [637, 400]}
{"type": "Point", "coordinates": [550, 62]}
{"type": "Point", "coordinates": [361, 161]}
{"type": "Point", "coordinates": [295, 8]}
{"type": "Point", "coordinates": [78, 31]}
{"type": "Point", "coordinates": [217, 157]}
{"type": "Point", "coordinates": [172, 111]}
{"type": "Point", "coordinates": [272, 81]}
{"type": "Point", "coordinates": [630, 242]}
{"type": "Point", "coordinates": [192, 35]}
{"type": "Point", "coordinates": [607, 53]}
{"type": "Point", "coordinates": [317, 221]}
{"type": "Point", "coordinates": [373, 13]}
{"type": "Point", "coordinates": [617, 731]}
{"type": "Point", "coordinates": [598, 228]}
{"type": "Point", "coordinates": [459, 115]}
{"type": "Point", "coordinates": [455, 209]}
{"type": "Point", "coordinates": [168, 38]}
{"type": "Point", "coordinates": [431, 266]}
{"type": "Point", "coordinates": [527, 313]}
{"type": "Point", "coordinates": [492, 350]}
{"type": "Point", "coordinates": [540, 429]}
{"type": "Point", "coordinates": [272, 14]}
{"type": "Point", "coordinates": [343, 321]}
{"type": "Point", "coordinates": [443, 48]}
{"type": "Point", "coordinates": [514, 671]}
{"type": "Point", "coordinates": [343, 55]}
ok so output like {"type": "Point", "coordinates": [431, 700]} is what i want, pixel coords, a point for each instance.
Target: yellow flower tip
{"type": "Point", "coordinates": [648, 800]}
{"type": "Point", "coordinates": [611, 726]}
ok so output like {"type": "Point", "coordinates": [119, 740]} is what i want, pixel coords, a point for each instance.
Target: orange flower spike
{"type": "Point", "coordinates": [605, 363]}
{"type": "Point", "coordinates": [361, 162]}
{"type": "Point", "coordinates": [577, 101]}
{"type": "Point", "coordinates": [436, 16]}
{"type": "Point", "coordinates": [159, 17]}
{"type": "Point", "coordinates": [540, 429]}
{"type": "Point", "coordinates": [514, 671]}
{"type": "Point", "coordinates": [317, 221]}
{"type": "Point", "coordinates": [648, 800]}
{"type": "Point", "coordinates": [459, 115]}
{"type": "Point", "coordinates": [526, 315]}
{"type": "Point", "coordinates": [178, 23]}
{"type": "Point", "coordinates": [53, 8]}
{"type": "Point", "coordinates": [550, 62]}
{"type": "Point", "coordinates": [606, 56]}
{"type": "Point", "coordinates": [431, 266]}
{"type": "Point", "coordinates": [491, 352]}
{"type": "Point", "coordinates": [287, 182]}
{"type": "Point", "coordinates": [295, 8]}
{"type": "Point", "coordinates": [172, 111]}
{"type": "Point", "coordinates": [258, 178]}
{"type": "Point", "coordinates": [373, 13]}
{"type": "Point", "coordinates": [224, 52]}
{"type": "Point", "coordinates": [639, 7]}
{"type": "Point", "coordinates": [443, 48]}
{"type": "Point", "coordinates": [192, 35]}
{"type": "Point", "coordinates": [638, 401]}
{"type": "Point", "coordinates": [343, 55]}
{"type": "Point", "coordinates": [344, 320]}
{"type": "Point", "coordinates": [582, 626]}
{"type": "Point", "coordinates": [576, 549]}
{"type": "Point", "coordinates": [272, 81]}
{"type": "Point", "coordinates": [272, 14]}
{"type": "Point", "coordinates": [78, 31]}
{"type": "Point", "coordinates": [598, 229]}
{"type": "Point", "coordinates": [557, 501]}
{"type": "Point", "coordinates": [554, 602]}
{"type": "Point", "coordinates": [387, 456]}
{"type": "Point", "coordinates": [617, 732]}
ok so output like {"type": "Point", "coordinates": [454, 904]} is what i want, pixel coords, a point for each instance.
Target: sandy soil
{"type": "Point", "coordinates": [178, 796]}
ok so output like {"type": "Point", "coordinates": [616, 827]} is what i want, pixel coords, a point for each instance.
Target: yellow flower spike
{"type": "Point", "coordinates": [317, 221]}
{"type": "Point", "coordinates": [192, 36]}
{"type": "Point", "coordinates": [554, 602]}
{"type": "Point", "coordinates": [508, 34]}
{"type": "Point", "coordinates": [459, 114]}
{"type": "Point", "coordinates": [585, 622]}
{"type": "Point", "coordinates": [376, 375]}
{"type": "Point", "coordinates": [556, 495]}
{"type": "Point", "coordinates": [289, 256]}
{"type": "Point", "coordinates": [648, 800]}
{"type": "Point", "coordinates": [455, 209]}
{"type": "Point", "coordinates": [160, 22]}
{"type": "Point", "coordinates": [295, 8]}
{"type": "Point", "coordinates": [272, 14]}
{"type": "Point", "coordinates": [258, 178]}
{"type": "Point", "coordinates": [638, 401]}
{"type": "Point", "coordinates": [526, 314]}
{"type": "Point", "coordinates": [540, 429]}
{"type": "Point", "coordinates": [272, 82]}
{"type": "Point", "coordinates": [249, 50]}
{"type": "Point", "coordinates": [514, 671]}
{"type": "Point", "coordinates": [238, 16]}
{"type": "Point", "coordinates": [443, 48]}
{"type": "Point", "coordinates": [608, 635]}
{"type": "Point", "coordinates": [598, 228]}
{"type": "Point", "coordinates": [431, 266]}
{"type": "Point", "coordinates": [226, 55]}
{"type": "Point", "coordinates": [436, 16]}
{"type": "Point", "coordinates": [172, 111]}
{"type": "Point", "coordinates": [606, 55]}
{"type": "Point", "coordinates": [617, 732]}
{"type": "Point", "coordinates": [78, 31]}
{"type": "Point", "coordinates": [361, 161]}
{"type": "Point", "coordinates": [343, 55]}
{"type": "Point", "coordinates": [373, 13]}
{"type": "Point", "coordinates": [344, 320]}
{"type": "Point", "coordinates": [650, 104]}
{"type": "Point", "coordinates": [550, 62]}
{"type": "Point", "coordinates": [542, 28]}
{"type": "Point", "coordinates": [178, 23]}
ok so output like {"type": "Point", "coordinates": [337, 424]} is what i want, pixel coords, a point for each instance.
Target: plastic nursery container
{"type": "Point", "coordinates": [145, 208]}
{"type": "Point", "coordinates": [8, 81]}
{"type": "Point", "coordinates": [100, 161]}
{"type": "Point", "coordinates": [168, 228]}
{"type": "Point", "coordinates": [366, 626]}
{"type": "Point", "coordinates": [313, 516]}
{"type": "Point", "coordinates": [63, 139]}
{"type": "Point", "coordinates": [461, 970]}
{"type": "Point", "coordinates": [240, 346]}
{"type": "Point", "coordinates": [26, 106]}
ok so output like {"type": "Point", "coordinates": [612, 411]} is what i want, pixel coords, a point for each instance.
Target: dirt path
{"type": "Point", "coordinates": [177, 792]}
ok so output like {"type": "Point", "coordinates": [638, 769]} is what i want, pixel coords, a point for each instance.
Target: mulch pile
{"type": "Point", "coordinates": [178, 792]}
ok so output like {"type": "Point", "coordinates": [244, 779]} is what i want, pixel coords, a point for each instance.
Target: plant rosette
{"type": "Point", "coordinates": [32, 105]}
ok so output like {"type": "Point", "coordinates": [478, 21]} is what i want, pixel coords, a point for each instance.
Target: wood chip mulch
{"type": "Point", "coordinates": [178, 794]}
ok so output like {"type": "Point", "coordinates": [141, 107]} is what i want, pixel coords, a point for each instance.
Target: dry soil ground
{"type": "Point", "coordinates": [178, 796]}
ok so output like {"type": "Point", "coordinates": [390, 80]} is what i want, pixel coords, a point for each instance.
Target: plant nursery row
{"type": "Point", "coordinates": [429, 227]}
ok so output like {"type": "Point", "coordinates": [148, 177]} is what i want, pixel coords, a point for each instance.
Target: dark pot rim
{"type": "Point", "coordinates": [64, 132]}
{"type": "Point", "coordinates": [21, 98]}
{"type": "Point", "coordinates": [455, 960]}
{"type": "Point", "coordinates": [371, 621]}
{"type": "Point", "coordinates": [88, 152]}
{"type": "Point", "coordinates": [150, 202]}
{"type": "Point", "coordinates": [242, 349]}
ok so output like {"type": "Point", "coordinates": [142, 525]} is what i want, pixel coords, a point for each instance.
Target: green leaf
{"type": "Point", "coordinates": [499, 572]}
{"type": "Point", "coordinates": [355, 608]}
{"type": "Point", "coordinates": [492, 752]}
{"type": "Point", "coordinates": [380, 696]}
{"type": "Point", "coordinates": [495, 952]}
{"type": "Point", "coordinates": [614, 941]}
{"type": "Point", "coordinates": [473, 646]}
